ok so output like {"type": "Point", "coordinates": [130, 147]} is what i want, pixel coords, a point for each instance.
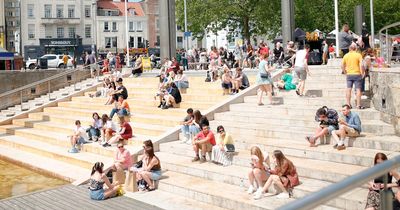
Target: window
{"type": "Point", "coordinates": [111, 42]}
{"type": "Point", "coordinates": [60, 11]}
{"type": "Point", "coordinates": [88, 31]}
{"type": "Point", "coordinates": [48, 32]}
{"type": "Point", "coordinates": [71, 11]}
{"type": "Point", "coordinates": [140, 42]}
{"type": "Point", "coordinates": [132, 12]}
{"type": "Point", "coordinates": [30, 11]}
{"type": "Point", "coordinates": [158, 24]}
{"type": "Point", "coordinates": [131, 26]}
{"type": "Point", "coordinates": [87, 11]}
{"type": "Point", "coordinates": [71, 32]}
{"type": "Point", "coordinates": [158, 41]}
{"type": "Point", "coordinates": [31, 31]}
{"type": "Point", "coordinates": [60, 32]}
{"type": "Point", "coordinates": [114, 26]}
{"type": "Point", "coordinates": [106, 26]}
{"type": "Point", "coordinates": [11, 43]}
{"type": "Point", "coordinates": [139, 26]}
{"type": "Point", "coordinates": [10, 14]}
{"type": "Point", "coordinates": [47, 10]}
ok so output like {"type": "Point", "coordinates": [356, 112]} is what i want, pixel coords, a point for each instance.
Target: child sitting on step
{"type": "Point", "coordinates": [78, 138]}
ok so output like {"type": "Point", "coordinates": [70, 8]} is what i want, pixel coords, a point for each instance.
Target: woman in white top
{"type": "Point", "coordinates": [181, 81]}
{"type": "Point", "coordinates": [108, 129]}
{"type": "Point", "coordinates": [219, 153]}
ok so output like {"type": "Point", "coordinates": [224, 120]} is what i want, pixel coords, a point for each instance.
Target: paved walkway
{"type": "Point", "coordinates": [69, 197]}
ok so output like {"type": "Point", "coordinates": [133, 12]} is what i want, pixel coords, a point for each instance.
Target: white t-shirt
{"type": "Point", "coordinates": [300, 56]}
{"type": "Point", "coordinates": [82, 132]}
{"type": "Point", "coordinates": [111, 124]}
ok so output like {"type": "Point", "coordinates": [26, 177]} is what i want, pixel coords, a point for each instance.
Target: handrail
{"type": "Point", "coordinates": [332, 191]}
{"type": "Point", "coordinates": [43, 80]}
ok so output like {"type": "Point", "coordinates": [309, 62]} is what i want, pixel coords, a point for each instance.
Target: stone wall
{"type": "Point", "coordinates": [385, 86]}
{"type": "Point", "coordinates": [14, 80]}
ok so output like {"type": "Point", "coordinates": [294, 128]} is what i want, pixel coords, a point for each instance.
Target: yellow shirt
{"type": "Point", "coordinates": [227, 140]}
{"type": "Point", "coordinates": [352, 61]}
{"type": "Point", "coordinates": [65, 59]}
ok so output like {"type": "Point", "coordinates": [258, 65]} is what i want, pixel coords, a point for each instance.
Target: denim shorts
{"type": "Point", "coordinates": [97, 194]}
{"type": "Point", "coordinates": [354, 79]}
{"type": "Point", "coordinates": [156, 175]}
{"type": "Point", "coordinates": [331, 128]}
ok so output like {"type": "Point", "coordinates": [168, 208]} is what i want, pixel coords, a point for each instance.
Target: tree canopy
{"type": "Point", "coordinates": [263, 17]}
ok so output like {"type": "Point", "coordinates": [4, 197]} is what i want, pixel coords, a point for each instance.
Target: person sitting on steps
{"type": "Point", "coordinates": [151, 166]}
{"type": "Point", "coordinates": [284, 176]}
{"type": "Point", "coordinates": [96, 183]}
{"type": "Point", "coordinates": [122, 161]}
{"type": "Point", "coordinates": [258, 173]}
{"type": "Point", "coordinates": [78, 138]}
{"type": "Point", "coordinates": [110, 93]}
{"type": "Point", "coordinates": [286, 81]}
{"type": "Point", "coordinates": [121, 108]}
{"type": "Point", "coordinates": [203, 141]}
{"type": "Point", "coordinates": [220, 155]}
{"type": "Point", "coordinates": [108, 129]}
{"type": "Point", "coordinates": [226, 79]}
{"type": "Point", "coordinates": [94, 129]}
{"type": "Point", "coordinates": [173, 98]}
{"type": "Point", "coordinates": [328, 122]}
{"type": "Point", "coordinates": [237, 80]}
{"type": "Point", "coordinates": [125, 133]}
{"type": "Point", "coordinates": [350, 126]}
{"type": "Point", "coordinates": [181, 81]}
{"type": "Point", "coordinates": [187, 121]}
{"type": "Point", "coordinates": [121, 90]}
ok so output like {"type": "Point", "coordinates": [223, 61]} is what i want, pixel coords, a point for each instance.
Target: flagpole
{"type": "Point", "coordinates": [126, 33]}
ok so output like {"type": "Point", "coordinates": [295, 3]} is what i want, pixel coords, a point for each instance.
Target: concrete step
{"type": "Point", "coordinates": [139, 128]}
{"type": "Point", "coordinates": [61, 140]}
{"type": "Point", "coordinates": [82, 159]}
{"type": "Point", "coordinates": [170, 201]}
{"type": "Point", "coordinates": [51, 166]}
{"type": "Point", "coordinates": [237, 176]}
{"type": "Point", "coordinates": [369, 126]}
{"type": "Point", "coordinates": [293, 110]}
{"type": "Point", "coordinates": [307, 167]}
{"type": "Point", "coordinates": [135, 118]}
{"type": "Point", "coordinates": [144, 110]}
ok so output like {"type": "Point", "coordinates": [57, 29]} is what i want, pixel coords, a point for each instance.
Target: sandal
{"type": "Point", "coordinates": [260, 104]}
{"type": "Point", "coordinates": [150, 189]}
{"type": "Point", "coordinates": [360, 107]}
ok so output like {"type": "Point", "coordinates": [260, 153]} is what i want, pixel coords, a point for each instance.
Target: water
{"type": "Point", "coordinates": [17, 180]}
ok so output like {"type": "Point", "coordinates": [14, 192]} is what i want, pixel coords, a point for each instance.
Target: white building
{"type": "Point", "coordinates": [57, 26]}
{"type": "Point", "coordinates": [111, 26]}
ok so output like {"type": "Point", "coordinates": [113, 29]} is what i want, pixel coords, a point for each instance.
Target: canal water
{"type": "Point", "coordinates": [17, 180]}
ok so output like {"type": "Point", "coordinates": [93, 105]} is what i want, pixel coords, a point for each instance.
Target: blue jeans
{"type": "Point", "coordinates": [93, 132]}
{"type": "Point", "coordinates": [193, 130]}
{"type": "Point", "coordinates": [121, 112]}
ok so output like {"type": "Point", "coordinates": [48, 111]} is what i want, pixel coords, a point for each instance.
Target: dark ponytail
{"type": "Point", "coordinates": [98, 166]}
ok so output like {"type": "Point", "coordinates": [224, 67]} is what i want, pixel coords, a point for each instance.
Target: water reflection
{"type": "Point", "coordinates": [16, 180]}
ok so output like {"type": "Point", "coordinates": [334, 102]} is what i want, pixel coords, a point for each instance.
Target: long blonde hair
{"type": "Point", "coordinates": [257, 152]}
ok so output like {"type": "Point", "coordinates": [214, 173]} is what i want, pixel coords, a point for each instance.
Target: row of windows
{"type": "Point", "coordinates": [138, 26]}
{"type": "Point", "coordinates": [60, 32]}
{"type": "Point", "coordinates": [59, 11]}
{"type": "Point", "coordinates": [111, 42]}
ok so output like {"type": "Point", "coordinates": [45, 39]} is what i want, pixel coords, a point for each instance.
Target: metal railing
{"type": "Point", "coordinates": [350, 183]}
{"type": "Point", "coordinates": [48, 80]}
{"type": "Point", "coordinates": [386, 38]}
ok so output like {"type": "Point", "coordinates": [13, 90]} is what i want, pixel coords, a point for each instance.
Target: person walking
{"type": "Point", "coordinates": [352, 67]}
{"type": "Point", "coordinates": [65, 60]}
{"type": "Point", "coordinates": [264, 79]}
{"type": "Point", "coordinates": [301, 68]}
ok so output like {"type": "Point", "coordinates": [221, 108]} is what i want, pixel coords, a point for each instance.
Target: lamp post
{"type": "Point", "coordinates": [185, 35]}
{"type": "Point", "coordinates": [371, 3]}
{"type": "Point", "coordinates": [126, 33]}
{"type": "Point", "coordinates": [337, 27]}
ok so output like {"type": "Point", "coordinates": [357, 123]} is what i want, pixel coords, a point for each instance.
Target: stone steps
{"type": "Point", "coordinates": [237, 176]}
{"type": "Point", "coordinates": [82, 159]}
{"type": "Point", "coordinates": [61, 140]}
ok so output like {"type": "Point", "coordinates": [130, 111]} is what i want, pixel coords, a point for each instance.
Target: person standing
{"type": "Point", "coordinates": [65, 60]}
{"type": "Point", "coordinates": [92, 62]}
{"type": "Point", "coordinates": [264, 79]}
{"type": "Point", "coordinates": [301, 68]}
{"type": "Point", "coordinates": [352, 67]}
{"type": "Point", "coordinates": [324, 52]}
{"type": "Point", "coordinates": [345, 39]}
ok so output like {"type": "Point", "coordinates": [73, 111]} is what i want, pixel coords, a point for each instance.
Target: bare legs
{"type": "Point", "coordinates": [258, 176]}
{"type": "Point", "coordinates": [267, 89]}
{"type": "Point", "coordinates": [358, 96]}
{"type": "Point", "coordinates": [274, 179]}
{"type": "Point", "coordinates": [146, 176]}
{"type": "Point", "coordinates": [301, 87]}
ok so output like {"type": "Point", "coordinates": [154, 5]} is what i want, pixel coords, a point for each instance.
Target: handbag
{"type": "Point", "coordinates": [229, 148]}
{"type": "Point", "coordinates": [265, 75]}
{"type": "Point", "coordinates": [139, 164]}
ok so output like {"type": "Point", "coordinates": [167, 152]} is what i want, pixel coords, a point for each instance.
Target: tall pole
{"type": "Point", "coordinates": [185, 35]}
{"type": "Point", "coordinates": [126, 33]}
{"type": "Point", "coordinates": [371, 2]}
{"type": "Point", "coordinates": [337, 27]}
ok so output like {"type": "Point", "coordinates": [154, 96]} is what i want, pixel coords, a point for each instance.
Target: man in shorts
{"type": "Point", "coordinates": [301, 68]}
{"type": "Point", "coordinates": [350, 126]}
{"type": "Point", "coordinates": [328, 122]}
{"type": "Point", "coordinates": [78, 138]}
{"type": "Point", "coordinates": [203, 141]}
{"type": "Point", "coordinates": [352, 67]}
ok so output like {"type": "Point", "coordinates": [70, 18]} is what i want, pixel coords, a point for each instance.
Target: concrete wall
{"type": "Point", "coordinates": [12, 80]}
{"type": "Point", "coordinates": [385, 86]}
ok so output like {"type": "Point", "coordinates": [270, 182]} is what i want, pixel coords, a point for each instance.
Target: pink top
{"type": "Point", "coordinates": [126, 155]}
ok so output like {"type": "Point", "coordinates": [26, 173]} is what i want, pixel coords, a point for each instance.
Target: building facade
{"type": "Point", "coordinates": [57, 27]}
{"type": "Point", "coordinates": [12, 21]}
{"type": "Point", "coordinates": [111, 26]}
{"type": "Point", "coordinates": [2, 25]}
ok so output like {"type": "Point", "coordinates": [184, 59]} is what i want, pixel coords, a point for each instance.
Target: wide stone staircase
{"type": "Point", "coordinates": [282, 127]}
{"type": "Point", "coordinates": [40, 141]}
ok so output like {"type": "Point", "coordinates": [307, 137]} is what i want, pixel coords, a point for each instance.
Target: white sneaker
{"type": "Point", "coordinates": [258, 194]}
{"type": "Point", "coordinates": [283, 196]}
{"type": "Point", "coordinates": [364, 97]}
{"type": "Point", "coordinates": [250, 190]}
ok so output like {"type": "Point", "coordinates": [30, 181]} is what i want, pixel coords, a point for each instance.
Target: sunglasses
{"type": "Point", "coordinates": [121, 147]}
{"type": "Point", "coordinates": [221, 131]}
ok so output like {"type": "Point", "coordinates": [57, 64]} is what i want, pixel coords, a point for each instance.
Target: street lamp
{"type": "Point", "coordinates": [127, 28]}
{"type": "Point", "coordinates": [337, 27]}
{"type": "Point", "coordinates": [371, 3]}
{"type": "Point", "coordinates": [185, 34]}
